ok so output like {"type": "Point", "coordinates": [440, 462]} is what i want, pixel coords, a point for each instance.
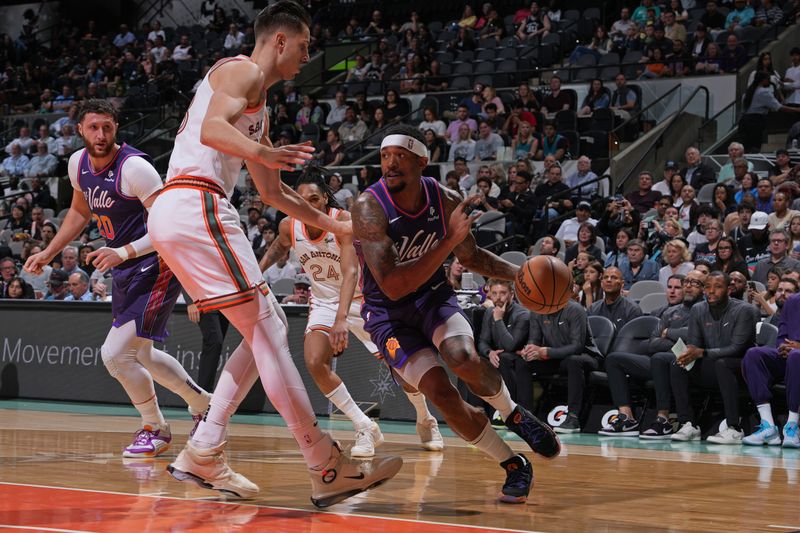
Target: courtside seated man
{"type": "Point", "coordinates": [405, 226]}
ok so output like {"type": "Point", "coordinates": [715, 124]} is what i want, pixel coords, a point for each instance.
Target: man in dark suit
{"type": "Point", "coordinates": [696, 172]}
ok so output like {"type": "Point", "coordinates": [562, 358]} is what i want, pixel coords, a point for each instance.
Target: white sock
{"type": "Point", "coordinates": [501, 401]}
{"type": "Point", "coordinates": [765, 412]}
{"type": "Point", "coordinates": [417, 399]}
{"type": "Point", "coordinates": [151, 414]}
{"type": "Point", "coordinates": [793, 417]}
{"type": "Point", "coordinates": [490, 443]}
{"type": "Point", "coordinates": [341, 398]}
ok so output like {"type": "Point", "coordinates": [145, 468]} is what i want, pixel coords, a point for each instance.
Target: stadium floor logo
{"type": "Point", "coordinates": [557, 415]}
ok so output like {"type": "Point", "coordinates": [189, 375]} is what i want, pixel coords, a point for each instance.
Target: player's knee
{"type": "Point", "coordinates": [793, 357]}
{"type": "Point", "coordinates": [109, 360]}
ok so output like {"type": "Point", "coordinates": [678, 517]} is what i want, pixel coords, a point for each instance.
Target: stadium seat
{"type": "Point", "coordinates": [514, 257]}
{"type": "Point", "coordinates": [641, 288]}
{"type": "Point", "coordinates": [283, 287]}
{"type": "Point", "coordinates": [602, 330]}
{"type": "Point", "coordinates": [767, 335]}
{"type": "Point", "coordinates": [634, 336]}
{"type": "Point", "coordinates": [706, 193]}
{"type": "Point", "coordinates": [651, 302]}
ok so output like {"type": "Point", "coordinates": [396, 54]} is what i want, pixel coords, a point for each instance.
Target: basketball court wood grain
{"type": "Point", "coordinates": [64, 472]}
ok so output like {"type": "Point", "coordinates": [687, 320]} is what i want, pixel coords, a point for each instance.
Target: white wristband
{"type": "Point", "coordinates": [122, 252]}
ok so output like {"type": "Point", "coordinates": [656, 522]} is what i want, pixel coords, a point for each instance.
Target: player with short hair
{"type": "Point", "coordinates": [116, 185]}
{"type": "Point", "coordinates": [405, 227]}
{"type": "Point", "coordinates": [197, 231]}
{"type": "Point", "coordinates": [332, 267]}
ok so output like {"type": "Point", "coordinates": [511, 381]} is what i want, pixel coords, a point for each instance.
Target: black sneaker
{"type": "Point", "coordinates": [660, 429]}
{"type": "Point", "coordinates": [539, 436]}
{"type": "Point", "coordinates": [519, 479]}
{"type": "Point", "coordinates": [622, 426]}
{"type": "Point", "coordinates": [570, 425]}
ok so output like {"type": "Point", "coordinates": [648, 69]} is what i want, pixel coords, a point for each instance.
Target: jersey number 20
{"type": "Point", "coordinates": [105, 226]}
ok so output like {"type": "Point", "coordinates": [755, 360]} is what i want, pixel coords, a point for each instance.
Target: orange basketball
{"type": "Point", "coordinates": [544, 284]}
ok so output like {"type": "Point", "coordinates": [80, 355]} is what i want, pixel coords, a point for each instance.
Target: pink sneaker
{"type": "Point", "coordinates": [149, 442]}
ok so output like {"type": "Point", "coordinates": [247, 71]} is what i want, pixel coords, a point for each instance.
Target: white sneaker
{"type": "Point", "coordinates": [429, 435]}
{"type": "Point", "coordinates": [209, 469]}
{"type": "Point", "coordinates": [688, 432]}
{"type": "Point", "coordinates": [344, 477]}
{"type": "Point", "coordinates": [367, 439]}
{"type": "Point", "coordinates": [727, 436]}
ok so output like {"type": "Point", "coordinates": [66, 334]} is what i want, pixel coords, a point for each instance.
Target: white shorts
{"type": "Point", "coordinates": [322, 315]}
{"type": "Point", "coordinates": [199, 235]}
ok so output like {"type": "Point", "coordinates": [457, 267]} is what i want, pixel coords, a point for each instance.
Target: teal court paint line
{"type": "Point", "coordinates": [409, 428]}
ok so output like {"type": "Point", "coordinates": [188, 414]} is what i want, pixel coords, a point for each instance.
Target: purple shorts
{"type": "Point", "coordinates": [399, 331]}
{"type": "Point", "coordinates": [146, 292]}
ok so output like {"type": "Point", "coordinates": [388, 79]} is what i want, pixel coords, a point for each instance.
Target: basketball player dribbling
{"type": "Point", "coordinates": [332, 267]}
{"type": "Point", "coordinates": [197, 232]}
{"type": "Point", "coordinates": [405, 226]}
{"type": "Point", "coordinates": [116, 185]}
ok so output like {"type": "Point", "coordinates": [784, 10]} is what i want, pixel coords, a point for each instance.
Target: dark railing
{"type": "Point", "coordinates": [633, 119]}
{"type": "Point", "coordinates": [716, 116]}
{"type": "Point", "coordinates": [667, 128]}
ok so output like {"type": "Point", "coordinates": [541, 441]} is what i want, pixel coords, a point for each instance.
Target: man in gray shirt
{"type": "Point", "coordinates": [614, 306]}
{"type": "Point", "coordinates": [488, 143]}
{"type": "Point", "coordinates": [561, 343]}
{"type": "Point", "coordinates": [721, 330]}
{"type": "Point", "coordinates": [503, 332]}
{"type": "Point", "coordinates": [653, 363]}
{"type": "Point", "coordinates": [778, 257]}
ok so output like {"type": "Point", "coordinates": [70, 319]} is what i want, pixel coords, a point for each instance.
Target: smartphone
{"type": "Point", "coordinates": [618, 199]}
{"type": "Point", "coordinates": [751, 285]}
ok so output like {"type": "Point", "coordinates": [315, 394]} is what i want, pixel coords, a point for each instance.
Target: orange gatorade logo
{"type": "Point", "coordinates": [392, 345]}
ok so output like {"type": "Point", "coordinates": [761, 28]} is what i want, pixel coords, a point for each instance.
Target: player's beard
{"type": "Point", "coordinates": [399, 186]}
{"type": "Point", "coordinates": [94, 152]}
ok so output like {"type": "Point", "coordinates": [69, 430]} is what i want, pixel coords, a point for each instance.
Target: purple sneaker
{"type": "Point", "coordinates": [149, 443]}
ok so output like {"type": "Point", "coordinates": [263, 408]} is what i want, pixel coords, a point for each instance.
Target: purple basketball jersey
{"type": "Point", "coordinates": [144, 288]}
{"type": "Point", "coordinates": [121, 219]}
{"type": "Point", "coordinates": [413, 235]}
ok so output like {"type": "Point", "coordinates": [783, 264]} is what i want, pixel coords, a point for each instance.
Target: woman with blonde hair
{"type": "Point", "coordinates": [498, 173]}
{"type": "Point", "coordinates": [677, 259]}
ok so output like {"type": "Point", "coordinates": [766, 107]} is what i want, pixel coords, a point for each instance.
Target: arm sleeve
{"type": "Point", "coordinates": [535, 330]}
{"type": "Point", "coordinates": [695, 327]}
{"type": "Point", "coordinates": [72, 169]}
{"type": "Point", "coordinates": [743, 331]}
{"type": "Point", "coordinates": [139, 178]}
{"type": "Point", "coordinates": [577, 324]}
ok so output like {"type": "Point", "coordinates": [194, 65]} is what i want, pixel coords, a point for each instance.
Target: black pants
{"type": "Point", "coordinates": [620, 366]}
{"type": "Point", "coordinates": [708, 373]}
{"type": "Point", "coordinates": [213, 326]}
{"type": "Point", "coordinates": [518, 378]}
{"type": "Point", "coordinates": [576, 368]}
{"type": "Point", "coordinates": [752, 126]}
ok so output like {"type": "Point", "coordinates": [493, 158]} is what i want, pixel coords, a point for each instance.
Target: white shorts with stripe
{"type": "Point", "coordinates": [322, 315]}
{"type": "Point", "coordinates": [199, 235]}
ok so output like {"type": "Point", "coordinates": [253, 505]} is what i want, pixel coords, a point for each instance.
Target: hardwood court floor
{"type": "Point", "coordinates": [63, 471]}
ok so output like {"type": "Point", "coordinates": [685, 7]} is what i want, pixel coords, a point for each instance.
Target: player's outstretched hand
{"type": "Point", "coordinates": [338, 336]}
{"type": "Point", "coordinates": [104, 258]}
{"type": "Point", "coordinates": [286, 157]}
{"type": "Point", "coordinates": [36, 263]}
{"type": "Point", "coordinates": [462, 217]}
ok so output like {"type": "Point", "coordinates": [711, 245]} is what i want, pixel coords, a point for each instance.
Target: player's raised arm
{"type": "Point", "coordinates": [394, 278]}
{"type": "Point", "coordinates": [279, 247]}
{"type": "Point", "coordinates": [473, 258]}
{"type": "Point", "coordinates": [238, 85]}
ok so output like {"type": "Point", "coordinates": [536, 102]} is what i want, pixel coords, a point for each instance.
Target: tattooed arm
{"type": "Point", "coordinates": [394, 278]}
{"type": "Point", "coordinates": [473, 258]}
{"type": "Point", "coordinates": [279, 247]}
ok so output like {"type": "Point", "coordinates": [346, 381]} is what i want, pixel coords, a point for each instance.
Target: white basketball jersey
{"type": "Point", "coordinates": [190, 157]}
{"type": "Point", "coordinates": [321, 260]}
